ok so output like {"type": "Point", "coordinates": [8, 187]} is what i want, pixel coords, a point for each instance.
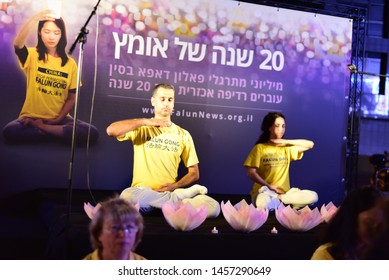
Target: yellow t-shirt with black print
{"type": "Point", "coordinates": [272, 163]}
{"type": "Point", "coordinates": [158, 152]}
{"type": "Point", "coordinates": [48, 84]}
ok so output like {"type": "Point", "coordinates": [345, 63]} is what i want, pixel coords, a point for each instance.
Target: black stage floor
{"type": "Point", "coordinates": [36, 225]}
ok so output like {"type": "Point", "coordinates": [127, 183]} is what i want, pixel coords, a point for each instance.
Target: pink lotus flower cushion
{"type": "Point", "coordinates": [184, 216]}
{"type": "Point", "coordinates": [244, 217]}
{"type": "Point", "coordinates": [91, 210]}
{"type": "Point", "coordinates": [298, 220]}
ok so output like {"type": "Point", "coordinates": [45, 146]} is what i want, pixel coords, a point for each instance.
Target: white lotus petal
{"type": "Point", "coordinates": [328, 211]}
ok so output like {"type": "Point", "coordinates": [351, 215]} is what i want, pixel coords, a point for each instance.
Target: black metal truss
{"type": "Point", "coordinates": [355, 96]}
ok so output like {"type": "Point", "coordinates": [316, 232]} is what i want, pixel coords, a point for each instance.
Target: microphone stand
{"type": "Point", "coordinates": [81, 38]}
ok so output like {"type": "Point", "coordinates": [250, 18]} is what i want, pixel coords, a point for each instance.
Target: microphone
{"type": "Point", "coordinates": [81, 37]}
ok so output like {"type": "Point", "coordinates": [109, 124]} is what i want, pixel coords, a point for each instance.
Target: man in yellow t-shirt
{"type": "Point", "coordinates": [159, 147]}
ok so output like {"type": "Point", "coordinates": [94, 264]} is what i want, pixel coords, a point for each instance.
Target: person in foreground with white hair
{"type": "Point", "coordinates": [115, 231]}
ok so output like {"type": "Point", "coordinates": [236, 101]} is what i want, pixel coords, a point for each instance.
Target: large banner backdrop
{"type": "Point", "coordinates": [230, 62]}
